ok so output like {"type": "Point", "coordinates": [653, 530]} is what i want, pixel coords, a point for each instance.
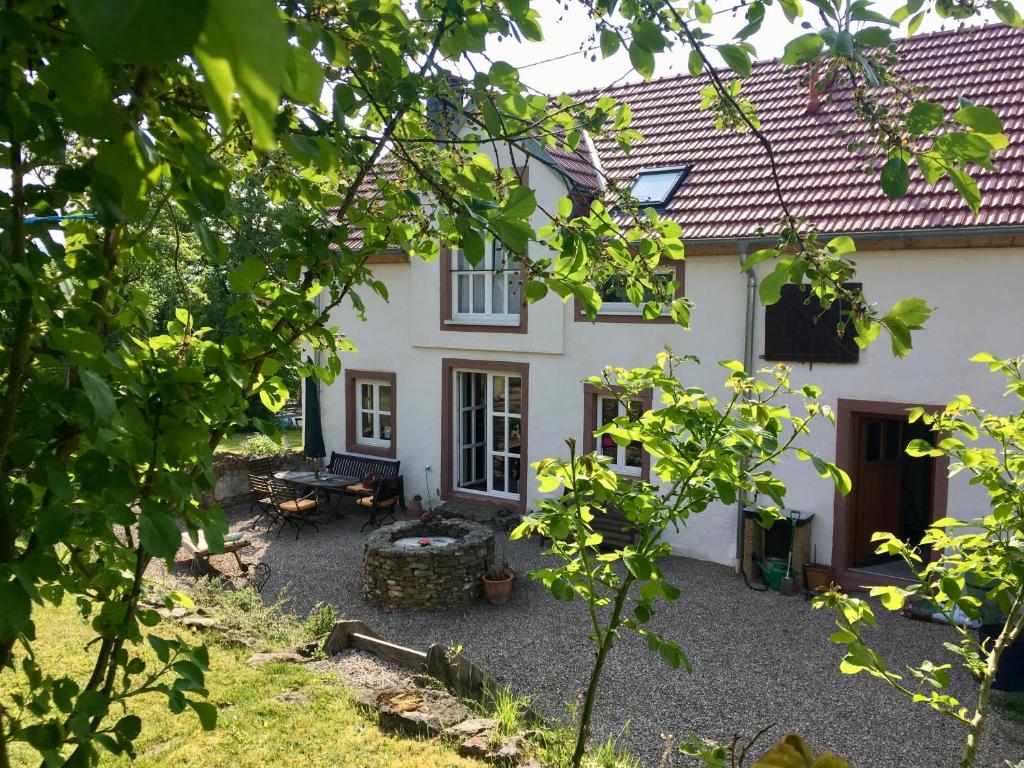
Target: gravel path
{"type": "Point", "coordinates": [758, 658]}
{"type": "Point", "coordinates": [366, 671]}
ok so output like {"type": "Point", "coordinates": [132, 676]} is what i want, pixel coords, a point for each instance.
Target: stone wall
{"type": "Point", "coordinates": [432, 577]}
{"type": "Point", "coordinates": [232, 473]}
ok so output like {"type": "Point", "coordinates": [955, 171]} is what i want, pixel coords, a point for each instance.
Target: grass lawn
{"type": "Point", "coordinates": [253, 729]}
{"type": "Point", "coordinates": [233, 441]}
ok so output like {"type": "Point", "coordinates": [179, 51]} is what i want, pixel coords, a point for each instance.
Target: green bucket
{"type": "Point", "coordinates": [774, 570]}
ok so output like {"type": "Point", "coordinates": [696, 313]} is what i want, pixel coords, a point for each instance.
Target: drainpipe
{"type": "Point", "coordinates": [748, 366]}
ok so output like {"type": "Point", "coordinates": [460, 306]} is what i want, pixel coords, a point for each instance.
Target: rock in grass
{"type": "Point", "coordinates": [277, 657]}
{"type": "Point", "coordinates": [467, 729]}
{"type": "Point", "coordinates": [477, 747]}
{"type": "Point", "coordinates": [511, 752]}
{"type": "Point", "coordinates": [199, 622]}
{"type": "Point", "coordinates": [419, 711]}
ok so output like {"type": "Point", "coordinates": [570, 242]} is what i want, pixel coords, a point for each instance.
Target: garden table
{"type": "Point", "coordinates": [327, 485]}
{"type": "Point", "coordinates": [308, 479]}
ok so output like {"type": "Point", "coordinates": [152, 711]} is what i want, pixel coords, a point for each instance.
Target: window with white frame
{"type": "Point", "coordinates": [488, 448]}
{"type": "Point", "coordinates": [625, 459]}
{"type": "Point", "coordinates": [373, 412]}
{"type": "Point", "coordinates": [616, 301]}
{"type": "Point", "coordinates": [490, 291]}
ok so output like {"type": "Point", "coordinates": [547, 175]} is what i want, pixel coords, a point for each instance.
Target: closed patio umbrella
{"type": "Point", "coordinates": [313, 434]}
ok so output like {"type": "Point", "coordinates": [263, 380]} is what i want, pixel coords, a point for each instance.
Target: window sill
{"type": "Point", "coordinates": [486, 324]}
{"type": "Point", "coordinates": [622, 317]}
{"type": "Point", "coordinates": [504, 321]}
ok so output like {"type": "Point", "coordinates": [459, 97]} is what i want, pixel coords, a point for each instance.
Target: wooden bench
{"type": "Point", "coordinates": [387, 493]}
{"type": "Point", "coordinates": [256, 574]}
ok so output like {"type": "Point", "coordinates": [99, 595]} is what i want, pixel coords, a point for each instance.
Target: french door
{"type": "Point", "coordinates": [488, 449]}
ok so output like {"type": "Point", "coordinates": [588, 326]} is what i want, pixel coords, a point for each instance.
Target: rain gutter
{"type": "Point", "coordinates": [922, 234]}
{"type": "Point", "coordinates": [750, 308]}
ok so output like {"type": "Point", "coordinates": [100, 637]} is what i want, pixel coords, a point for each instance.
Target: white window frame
{"type": "Point", "coordinates": [618, 464]}
{"type": "Point", "coordinates": [377, 441]}
{"type": "Point", "coordinates": [628, 308]}
{"type": "Point", "coordinates": [509, 273]}
{"type": "Point", "coordinates": [487, 438]}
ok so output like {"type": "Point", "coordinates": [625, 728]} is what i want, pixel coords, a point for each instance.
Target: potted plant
{"type": "Point", "coordinates": [498, 581]}
{"type": "Point", "coordinates": [817, 577]}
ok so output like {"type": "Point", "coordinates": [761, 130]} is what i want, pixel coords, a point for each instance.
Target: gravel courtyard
{"type": "Point", "coordinates": [759, 658]}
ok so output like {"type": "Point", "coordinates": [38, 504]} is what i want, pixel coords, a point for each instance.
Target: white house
{"type": "Point", "coordinates": [466, 385]}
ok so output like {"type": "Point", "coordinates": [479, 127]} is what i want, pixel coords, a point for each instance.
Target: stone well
{"type": "Point", "coordinates": [401, 571]}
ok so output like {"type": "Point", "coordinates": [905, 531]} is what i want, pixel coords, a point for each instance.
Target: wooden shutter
{"type": "Point", "coordinates": [797, 329]}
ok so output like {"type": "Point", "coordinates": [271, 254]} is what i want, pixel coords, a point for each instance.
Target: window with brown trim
{"type": "Point", "coordinates": [616, 307]}
{"type": "Point", "coordinates": [601, 405]}
{"type": "Point", "coordinates": [484, 417]}
{"type": "Point", "coordinates": [370, 413]}
{"type": "Point", "coordinates": [487, 296]}
{"type": "Point", "coordinates": [483, 297]}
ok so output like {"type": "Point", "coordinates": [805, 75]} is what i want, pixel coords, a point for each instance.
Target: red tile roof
{"type": "Point", "coordinates": [578, 165]}
{"type": "Point", "coordinates": [728, 193]}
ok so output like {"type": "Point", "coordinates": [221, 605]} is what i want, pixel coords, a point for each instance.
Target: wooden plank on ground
{"type": "Point", "coordinates": [397, 653]}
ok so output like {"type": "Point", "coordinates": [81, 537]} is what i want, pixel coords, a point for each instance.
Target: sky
{"type": "Point", "coordinates": [568, 30]}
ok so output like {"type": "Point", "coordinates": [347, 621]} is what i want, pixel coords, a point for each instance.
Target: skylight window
{"type": "Point", "coordinates": [656, 187]}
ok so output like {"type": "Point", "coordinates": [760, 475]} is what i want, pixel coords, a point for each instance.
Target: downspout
{"type": "Point", "coordinates": [748, 366]}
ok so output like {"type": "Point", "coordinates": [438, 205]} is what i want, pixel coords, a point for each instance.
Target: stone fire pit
{"type": "Point", "coordinates": [440, 564]}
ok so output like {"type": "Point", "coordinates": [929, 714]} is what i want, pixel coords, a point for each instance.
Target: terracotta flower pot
{"type": "Point", "coordinates": [817, 577]}
{"type": "Point", "coordinates": [498, 590]}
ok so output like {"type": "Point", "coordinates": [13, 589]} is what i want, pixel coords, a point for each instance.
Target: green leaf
{"type": "Point", "coordinates": [243, 49]}
{"type": "Point", "coordinates": [303, 76]}
{"type": "Point", "coordinates": [802, 49]}
{"type": "Point", "coordinates": [535, 290]}
{"type": "Point", "coordinates": [159, 533]}
{"type": "Point", "coordinates": [207, 713]}
{"type": "Point", "coordinates": [521, 203]}
{"type": "Point", "coordinates": [967, 187]}
{"type": "Point", "coordinates": [919, 447]}
{"type": "Point", "coordinates": [770, 289]}
{"type": "Point", "coordinates": [99, 394]}
{"type": "Point", "coordinates": [737, 58]}
{"type": "Point", "coordinates": [892, 598]}
{"type": "Point", "coordinates": [15, 618]}
{"type": "Point", "coordinates": [139, 31]}
{"type": "Point", "coordinates": [640, 566]}
{"type": "Point", "coordinates": [1007, 13]}
{"type": "Point", "coordinates": [757, 257]}
{"type": "Point", "coordinates": [980, 119]}
{"type": "Point", "coordinates": [83, 92]}
{"type": "Point", "coordinates": [642, 60]}
{"type": "Point", "coordinates": [561, 589]}
{"type": "Point", "coordinates": [924, 117]}
{"type": "Point", "coordinates": [609, 43]}
{"type": "Point", "coordinates": [895, 178]}
{"type": "Point", "coordinates": [694, 63]}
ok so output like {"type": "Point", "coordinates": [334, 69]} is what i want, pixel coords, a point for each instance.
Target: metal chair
{"type": "Point", "coordinates": [263, 503]}
{"type": "Point", "coordinates": [292, 508]}
{"type": "Point", "coordinates": [386, 498]}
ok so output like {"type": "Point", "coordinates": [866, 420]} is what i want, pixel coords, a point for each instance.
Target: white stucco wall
{"type": "Point", "coordinates": [976, 292]}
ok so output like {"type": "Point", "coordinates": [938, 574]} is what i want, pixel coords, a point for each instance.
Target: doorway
{"type": "Point", "coordinates": [892, 491]}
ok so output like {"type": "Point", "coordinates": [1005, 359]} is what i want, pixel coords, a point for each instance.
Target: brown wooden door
{"type": "Point", "coordinates": [877, 482]}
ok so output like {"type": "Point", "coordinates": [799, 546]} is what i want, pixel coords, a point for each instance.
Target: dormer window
{"type": "Point", "coordinates": [656, 186]}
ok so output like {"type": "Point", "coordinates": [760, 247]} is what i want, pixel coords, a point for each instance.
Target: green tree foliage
{"type": "Point", "coordinates": [970, 568]}
{"type": "Point", "coordinates": [158, 118]}
{"type": "Point", "coordinates": [703, 452]}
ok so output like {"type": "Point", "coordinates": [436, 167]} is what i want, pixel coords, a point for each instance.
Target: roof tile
{"type": "Point", "coordinates": [728, 192]}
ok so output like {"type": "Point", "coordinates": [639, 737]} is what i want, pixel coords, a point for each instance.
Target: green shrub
{"type": "Point", "coordinates": [242, 613]}
{"type": "Point", "coordinates": [258, 446]}
{"type": "Point", "coordinates": [320, 622]}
